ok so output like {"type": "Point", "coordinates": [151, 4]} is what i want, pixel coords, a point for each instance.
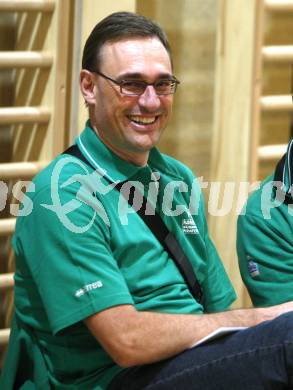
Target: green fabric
{"type": "Point", "coordinates": [24, 361]}
{"type": "Point", "coordinates": [265, 249]}
{"type": "Point", "coordinates": [63, 276]}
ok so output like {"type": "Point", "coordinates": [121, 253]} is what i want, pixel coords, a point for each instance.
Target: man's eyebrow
{"type": "Point", "coordinates": [140, 76]}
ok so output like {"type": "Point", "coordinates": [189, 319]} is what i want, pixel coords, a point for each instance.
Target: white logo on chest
{"type": "Point", "coordinates": [189, 226]}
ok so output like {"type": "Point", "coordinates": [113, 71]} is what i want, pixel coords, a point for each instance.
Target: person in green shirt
{"type": "Point", "coordinates": [265, 237]}
{"type": "Point", "coordinates": [99, 301]}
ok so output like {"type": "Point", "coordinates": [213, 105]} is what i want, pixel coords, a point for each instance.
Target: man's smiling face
{"type": "Point", "coordinates": [131, 125]}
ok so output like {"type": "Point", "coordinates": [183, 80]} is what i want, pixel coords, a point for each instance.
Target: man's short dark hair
{"type": "Point", "coordinates": [115, 27]}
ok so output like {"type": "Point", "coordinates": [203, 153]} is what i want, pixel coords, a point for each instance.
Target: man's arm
{"type": "Point", "coordinates": [135, 338]}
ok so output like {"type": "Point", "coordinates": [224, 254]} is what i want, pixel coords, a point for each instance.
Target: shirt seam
{"type": "Point", "coordinates": [95, 308]}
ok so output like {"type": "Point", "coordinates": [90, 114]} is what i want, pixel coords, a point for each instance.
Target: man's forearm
{"type": "Point", "coordinates": [135, 338]}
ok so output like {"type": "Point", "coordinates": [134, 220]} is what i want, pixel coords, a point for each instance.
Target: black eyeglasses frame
{"type": "Point", "coordinates": [122, 82]}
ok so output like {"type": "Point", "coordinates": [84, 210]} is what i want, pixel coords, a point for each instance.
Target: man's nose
{"type": "Point", "coordinates": [149, 99]}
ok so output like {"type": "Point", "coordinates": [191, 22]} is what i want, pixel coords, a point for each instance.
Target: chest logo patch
{"type": "Point", "coordinates": [189, 226]}
{"type": "Point", "coordinates": [253, 268]}
{"type": "Point", "coordinates": [88, 287]}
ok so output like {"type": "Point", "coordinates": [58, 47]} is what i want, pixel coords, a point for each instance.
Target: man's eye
{"type": "Point", "coordinates": [133, 84]}
{"type": "Point", "coordinates": [164, 83]}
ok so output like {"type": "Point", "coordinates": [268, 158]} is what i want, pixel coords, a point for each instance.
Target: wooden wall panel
{"type": "Point", "coordinates": [191, 28]}
{"type": "Point", "coordinates": [232, 121]}
{"type": "Point", "coordinates": [276, 80]}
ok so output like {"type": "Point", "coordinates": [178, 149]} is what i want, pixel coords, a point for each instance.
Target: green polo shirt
{"type": "Point", "coordinates": [83, 249]}
{"type": "Point", "coordinates": [264, 246]}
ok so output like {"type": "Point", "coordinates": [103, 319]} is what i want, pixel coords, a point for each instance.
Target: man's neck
{"type": "Point", "coordinates": [137, 158]}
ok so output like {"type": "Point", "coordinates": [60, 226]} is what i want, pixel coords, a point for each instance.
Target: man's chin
{"type": "Point", "coordinates": [146, 143]}
{"type": "Point", "coordinates": [146, 147]}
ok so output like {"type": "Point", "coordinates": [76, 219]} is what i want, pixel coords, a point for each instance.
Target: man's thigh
{"type": "Point", "coordinates": [260, 357]}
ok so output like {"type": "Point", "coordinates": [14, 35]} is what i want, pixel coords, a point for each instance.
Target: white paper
{"type": "Point", "coordinates": [218, 333]}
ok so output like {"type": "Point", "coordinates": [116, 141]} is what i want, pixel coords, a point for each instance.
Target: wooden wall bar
{"type": "Point", "coordinates": [33, 87]}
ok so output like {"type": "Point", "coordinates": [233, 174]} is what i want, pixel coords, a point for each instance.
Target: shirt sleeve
{"type": "Point", "coordinates": [71, 260]}
{"type": "Point", "coordinates": [265, 256]}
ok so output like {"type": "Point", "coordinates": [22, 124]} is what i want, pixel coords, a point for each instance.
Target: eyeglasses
{"type": "Point", "coordinates": [130, 87]}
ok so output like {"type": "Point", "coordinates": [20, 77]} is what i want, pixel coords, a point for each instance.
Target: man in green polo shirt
{"type": "Point", "coordinates": [265, 237]}
{"type": "Point", "coordinates": [99, 301]}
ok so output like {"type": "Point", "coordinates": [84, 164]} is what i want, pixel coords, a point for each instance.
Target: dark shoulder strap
{"type": "Point", "coordinates": [279, 169]}
{"type": "Point", "coordinates": [74, 150]}
{"type": "Point", "coordinates": [278, 177]}
{"type": "Point", "coordinates": [161, 232]}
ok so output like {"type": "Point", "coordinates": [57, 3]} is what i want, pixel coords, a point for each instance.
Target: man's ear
{"type": "Point", "coordinates": [87, 86]}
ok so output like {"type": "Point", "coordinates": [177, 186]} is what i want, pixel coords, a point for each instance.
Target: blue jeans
{"type": "Point", "coordinates": [260, 357]}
